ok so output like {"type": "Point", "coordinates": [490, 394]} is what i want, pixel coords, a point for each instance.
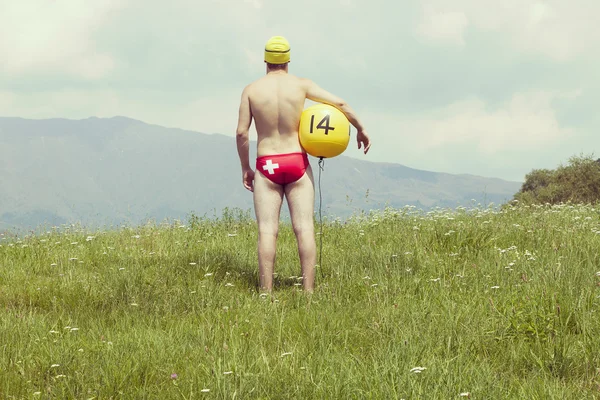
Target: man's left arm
{"type": "Point", "coordinates": [243, 140]}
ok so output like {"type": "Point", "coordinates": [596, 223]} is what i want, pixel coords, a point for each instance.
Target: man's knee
{"type": "Point", "coordinates": [268, 231]}
{"type": "Point", "coordinates": [303, 229]}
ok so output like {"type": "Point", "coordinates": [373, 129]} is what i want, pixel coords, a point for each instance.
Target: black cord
{"type": "Point", "coordinates": [321, 162]}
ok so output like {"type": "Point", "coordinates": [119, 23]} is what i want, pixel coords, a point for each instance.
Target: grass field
{"type": "Point", "coordinates": [479, 304]}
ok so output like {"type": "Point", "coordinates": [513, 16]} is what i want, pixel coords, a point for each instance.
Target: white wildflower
{"type": "Point", "coordinates": [418, 370]}
{"type": "Point", "coordinates": [205, 390]}
{"type": "Point", "coordinates": [208, 274]}
{"type": "Point", "coordinates": [229, 284]}
{"type": "Point", "coordinates": [55, 365]}
{"type": "Point", "coordinates": [227, 372]}
{"type": "Point", "coordinates": [192, 263]}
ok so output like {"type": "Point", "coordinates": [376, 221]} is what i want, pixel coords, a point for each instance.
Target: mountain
{"type": "Point", "coordinates": [102, 172]}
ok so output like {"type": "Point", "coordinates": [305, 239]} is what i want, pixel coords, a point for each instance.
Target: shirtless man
{"type": "Point", "coordinates": [276, 102]}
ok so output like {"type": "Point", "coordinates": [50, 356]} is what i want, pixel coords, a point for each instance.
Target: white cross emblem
{"type": "Point", "coordinates": [270, 167]}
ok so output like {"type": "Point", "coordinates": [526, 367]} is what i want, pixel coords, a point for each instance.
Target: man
{"type": "Point", "coordinates": [276, 102]}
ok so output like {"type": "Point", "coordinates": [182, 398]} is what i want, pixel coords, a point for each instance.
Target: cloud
{"type": "Point", "coordinates": [68, 103]}
{"type": "Point", "coordinates": [527, 121]}
{"type": "Point", "coordinates": [53, 37]}
{"type": "Point", "coordinates": [473, 136]}
{"type": "Point", "coordinates": [555, 29]}
{"type": "Point", "coordinates": [444, 27]}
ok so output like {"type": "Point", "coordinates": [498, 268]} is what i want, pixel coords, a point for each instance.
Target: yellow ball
{"type": "Point", "coordinates": [324, 131]}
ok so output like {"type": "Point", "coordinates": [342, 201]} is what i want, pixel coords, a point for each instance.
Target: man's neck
{"type": "Point", "coordinates": [278, 70]}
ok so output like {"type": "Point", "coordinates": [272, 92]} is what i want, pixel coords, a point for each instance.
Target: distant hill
{"type": "Point", "coordinates": [119, 170]}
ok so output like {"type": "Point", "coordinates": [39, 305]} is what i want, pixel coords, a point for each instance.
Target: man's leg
{"type": "Point", "coordinates": [301, 201]}
{"type": "Point", "coordinates": [268, 197]}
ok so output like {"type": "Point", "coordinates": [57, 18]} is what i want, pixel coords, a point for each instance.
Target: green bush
{"type": "Point", "coordinates": [577, 182]}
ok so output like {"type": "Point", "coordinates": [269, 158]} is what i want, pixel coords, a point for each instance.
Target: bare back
{"type": "Point", "coordinates": [276, 103]}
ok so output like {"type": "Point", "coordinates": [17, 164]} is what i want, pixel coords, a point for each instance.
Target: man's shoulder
{"type": "Point", "coordinates": [305, 81]}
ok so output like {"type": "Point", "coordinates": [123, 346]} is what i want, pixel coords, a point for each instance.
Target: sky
{"type": "Point", "coordinates": [479, 87]}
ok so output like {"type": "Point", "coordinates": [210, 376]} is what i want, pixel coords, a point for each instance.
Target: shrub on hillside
{"type": "Point", "coordinates": [576, 182]}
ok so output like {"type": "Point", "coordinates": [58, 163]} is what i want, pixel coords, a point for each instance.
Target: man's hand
{"type": "Point", "coordinates": [248, 179]}
{"type": "Point", "coordinates": [363, 138]}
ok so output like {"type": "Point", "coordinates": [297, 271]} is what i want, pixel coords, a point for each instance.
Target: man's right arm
{"type": "Point", "coordinates": [315, 93]}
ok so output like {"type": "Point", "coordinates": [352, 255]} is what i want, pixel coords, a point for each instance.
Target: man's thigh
{"type": "Point", "coordinates": [300, 196]}
{"type": "Point", "coordinates": [268, 197]}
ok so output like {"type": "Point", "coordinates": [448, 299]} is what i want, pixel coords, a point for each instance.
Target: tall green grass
{"type": "Point", "coordinates": [464, 303]}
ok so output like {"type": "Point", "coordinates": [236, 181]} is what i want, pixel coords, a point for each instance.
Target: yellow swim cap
{"type": "Point", "coordinates": [277, 50]}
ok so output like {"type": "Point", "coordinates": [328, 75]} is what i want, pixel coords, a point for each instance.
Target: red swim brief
{"type": "Point", "coordinates": [283, 168]}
